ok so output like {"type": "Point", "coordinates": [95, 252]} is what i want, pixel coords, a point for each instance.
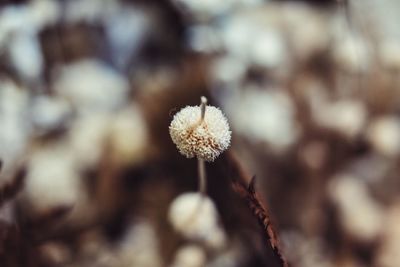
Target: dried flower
{"type": "Point", "coordinates": [197, 135]}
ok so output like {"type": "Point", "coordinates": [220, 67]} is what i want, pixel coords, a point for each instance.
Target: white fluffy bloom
{"type": "Point", "coordinates": [52, 179]}
{"type": "Point", "coordinates": [140, 246]}
{"type": "Point", "coordinates": [269, 117]}
{"type": "Point", "coordinates": [384, 135]}
{"type": "Point", "coordinates": [125, 124]}
{"type": "Point", "coordinates": [205, 139]}
{"type": "Point", "coordinates": [190, 256]}
{"type": "Point", "coordinates": [100, 88]}
{"type": "Point", "coordinates": [361, 216]}
{"type": "Point", "coordinates": [196, 218]}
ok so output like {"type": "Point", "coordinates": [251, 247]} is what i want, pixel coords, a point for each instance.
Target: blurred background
{"type": "Point", "coordinates": [88, 89]}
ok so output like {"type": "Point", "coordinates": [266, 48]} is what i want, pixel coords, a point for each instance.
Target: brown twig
{"type": "Point", "coordinates": [260, 212]}
{"type": "Point", "coordinates": [255, 203]}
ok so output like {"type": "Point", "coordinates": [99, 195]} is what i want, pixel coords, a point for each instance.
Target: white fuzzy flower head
{"type": "Point", "coordinates": [194, 136]}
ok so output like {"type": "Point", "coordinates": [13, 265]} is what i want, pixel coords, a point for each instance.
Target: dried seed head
{"type": "Point", "coordinates": [194, 136]}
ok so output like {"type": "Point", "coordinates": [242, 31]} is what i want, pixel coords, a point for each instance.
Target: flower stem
{"type": "Point", "coordinates": [202, 176]}
{"type": "Point", "coordinates": [201, 167]}
{"type": "Point", "coordinates": [203, 105]}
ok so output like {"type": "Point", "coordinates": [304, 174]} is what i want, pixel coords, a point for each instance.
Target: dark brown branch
{"type": "Point", "coordinates": [255, 203]}
{"type": "Point", "coordinates": [261, 213]}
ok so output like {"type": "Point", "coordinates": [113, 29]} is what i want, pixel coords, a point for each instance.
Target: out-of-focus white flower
{"type": "Point", "coordinates": [204, 39]}
{"type": "Point", "coordinates": [268, 117]}
{"type": "Point", "coordinates": [384, 135]}
{"type": "Point", "coordinates": [306, 29]}
{"type": "Point", "coordinates": [228, 70]}
{"type": "Point", "coordinates": [44, 12]}
{"type": "Point", "coordinates": [195, 217]}
{"type": "Point", "coordinates": [49, 112]}
{"type": "Point", "coordinates": [91, 86]}
{"type": "Point", "coordinates": [128, 136]}
{"type": "Point", "coordinates": [352, 54]}
{"type": "Point", "coordinates": [52, 179]}
{"type": "Point", "coordinates": [88, 10]}
{"type": "Point", "coordinates": [253, 39]}
{"type": "Point", "coordinates": [14, 19]}
{"type": "Point", "coordinates": [388, 252]}
{"type": "Point", "coordinates": [306, 252]}
{"type": "Point", "coordinates": [346, 117]}
{"type": "Point", "coordinates": [126, 28]}
{"type": "Point", "coordinates": [268, 49]}
{"type": "Point", "coordinates": [125, 132]}
{"type": "Point", "coordinates": [194, 137]}
{"type": "Point", "coordinates": [25, 55]}
{"type": "Point", "coordinates": [15, 127]}
{"type": "Point", "coordinates": [190, 256]}
{"type": "Point", "coordinates": [389, 54]}
{"type": "Point", "coordinates": [360, 215]}
{"type": "Point", "coordinates": [140, 246]}
{"type": "Point", "coordinates": [87, 137]}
